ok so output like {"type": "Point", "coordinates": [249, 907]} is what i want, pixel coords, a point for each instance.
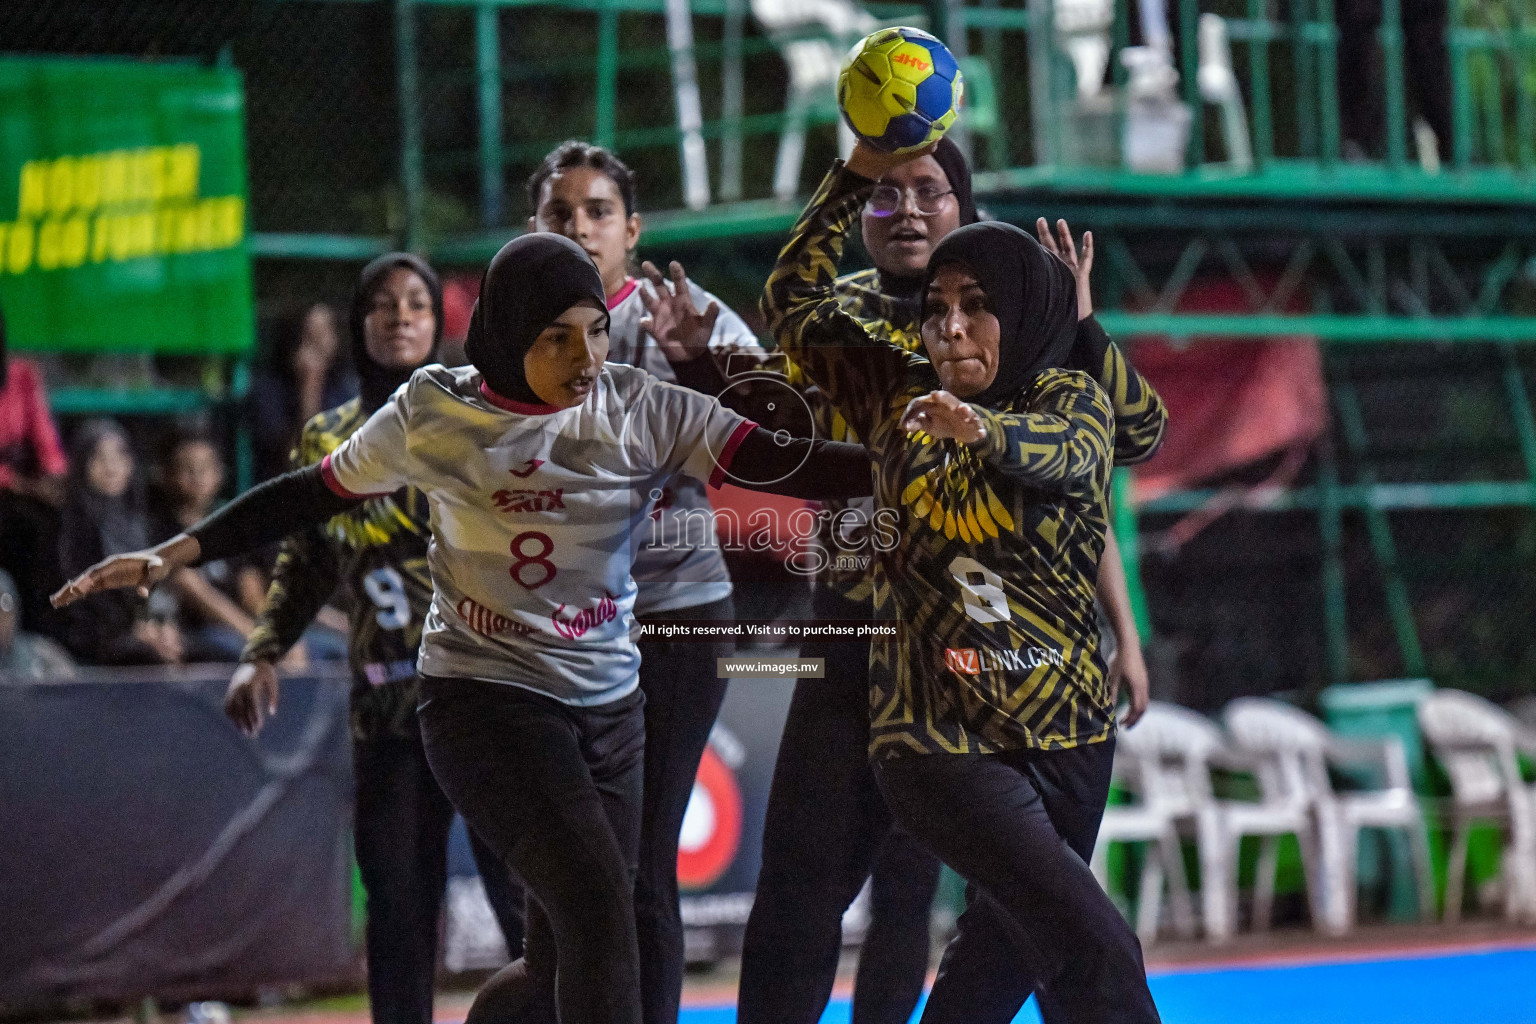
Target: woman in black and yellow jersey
{"type": "Point", "coordinates": [991, 719]}
{"type": "Point", "coordinates": [378, 553]}
{"type": "Point", "coordinates": [827, 827]}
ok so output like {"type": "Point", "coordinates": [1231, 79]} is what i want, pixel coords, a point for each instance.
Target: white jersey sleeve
{"type": "Point", "coordinates": [375, 460]}
{"type": "Point", "coordinates": [688, 432]}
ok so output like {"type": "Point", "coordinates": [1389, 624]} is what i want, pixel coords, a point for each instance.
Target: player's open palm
{"type": "Point", "coordinates": [941, 415]}
{"type": "Point", "coordinates": [252, 695]}
{"type": "Point", "coordinates": [1063, 248]}
{"type": "Point", "coordinates": [679, 327]}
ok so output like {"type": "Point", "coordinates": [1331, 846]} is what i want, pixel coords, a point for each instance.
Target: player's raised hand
{"type": "Point", "coordinates": [941, 415]}
{"type": "Point", "coordinates": [680, 329]}
{"type": "Point", "coordinates": [252, 696]}
{"type": "Point", "coordinates": [1064, 249]}
{"type": "Point", "coordinates": [138, 569]}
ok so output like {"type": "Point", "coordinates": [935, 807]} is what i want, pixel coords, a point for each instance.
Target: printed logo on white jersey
{"type": "Point", "coordinates": [487, 623]}
{"type": "Point", "coordinates": [527, 469]}
{"type": "Point", "coordinates": [528, 500]}
{"type": "Point", "coordinates": [605, 610]}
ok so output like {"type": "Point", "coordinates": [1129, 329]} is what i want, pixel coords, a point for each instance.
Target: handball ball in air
{"type": "Point", "coordinates": [900, 89]}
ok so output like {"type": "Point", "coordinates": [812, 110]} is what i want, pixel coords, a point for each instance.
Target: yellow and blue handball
{"type": "Point", "coordinates": [900, 89]}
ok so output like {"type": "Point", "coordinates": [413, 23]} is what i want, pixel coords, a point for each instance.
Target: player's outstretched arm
{"type": "Point", "coordinates": [260, 516]}
{"type": "Point", "coordinates": [800, 467]}
{"type": "Point", "coordinates": [1062, 445]}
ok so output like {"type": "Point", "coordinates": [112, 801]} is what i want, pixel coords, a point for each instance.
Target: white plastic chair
{"type": "Point", "coordinates": [1477, 743]}
{"type": "Point", "coordinates": [1082, 27]}
{"type": "Point", "coordinates": [1281, 733]}
{"type": "Point", "coordinates": [1153, 819]}
{"type": "Point", "coordinates": [1196, 745]}
{"type": "Point", "coordinates": [813, 65]}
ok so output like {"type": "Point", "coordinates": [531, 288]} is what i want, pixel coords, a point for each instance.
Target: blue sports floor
{"type": "Point", "coordinates": [1484, 987]}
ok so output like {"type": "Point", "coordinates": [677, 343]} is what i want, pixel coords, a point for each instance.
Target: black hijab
{"type": "Point", "coordinates": [531, 281]}
{"type": "Point", "coordinates": [96, 525]}
{"type": "Point", "coordinates": [1032, 294]}
{"type": "Point", "coordinates": [953, 163]}
{"type": "Point", "coordinates": [378, 382]}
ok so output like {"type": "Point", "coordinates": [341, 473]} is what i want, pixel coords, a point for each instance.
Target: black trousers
{"type": "Point", "coordinates": [400, 833]}
{"type": "Point", "coordinates": [1426, 72]}
{"type": "Point", "coordinates": [555, 791]}
{"type": "Point", "coordinates": [1016, 827]}
{"type": "Point", "coordinates": [683, 695]}
{"type": "Point", "coordinates": [827, 825]}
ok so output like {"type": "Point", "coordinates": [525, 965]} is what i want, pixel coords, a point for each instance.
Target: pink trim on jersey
{"type": "Point", "coordinates": [723, 463]}
{"type": "Point", "coordinates": [513, 405]}
{"type": "Point", "coordinates": [328, 474]}
{"type": "Point", "coordinates": [630, 284]}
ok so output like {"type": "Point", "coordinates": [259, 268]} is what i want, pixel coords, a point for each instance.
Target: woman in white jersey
{"type": "Point", "coordinates": [537, 461]}
{"type": "Point", "coordinates": [676, 332]}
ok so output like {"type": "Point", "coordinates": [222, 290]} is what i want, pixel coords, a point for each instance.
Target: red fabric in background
{"type": "Point", "coordinates": [459, 295]}
{"type": "Point", "coordinates": [1229, 402]}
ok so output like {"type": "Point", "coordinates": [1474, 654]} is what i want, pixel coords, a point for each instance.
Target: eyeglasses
{"type": "Point", "coordinates": [886, 199]}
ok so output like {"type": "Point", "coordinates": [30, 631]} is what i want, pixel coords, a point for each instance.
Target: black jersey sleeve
{"type": "Point", "coordinates": [801, 467]}
{"type": "Point", "coordinates": [268, 513]}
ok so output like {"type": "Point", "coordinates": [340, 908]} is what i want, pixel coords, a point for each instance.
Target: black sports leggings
{"type": "Point", "coordinates": [683, 694]}
{"type": "Point", "coordinates": [555, 791]}
{"type": "Point", "coordinates": [1016, 827]}
{"type": "Point", "coordinates": [826, 826]}
{"type": "Point", "coordinates": [401, 835]}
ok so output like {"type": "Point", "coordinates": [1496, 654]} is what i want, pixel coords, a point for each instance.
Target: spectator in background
{"type": "Point", "coordinates": [1427, 77]}
{"type": "Point", "coordinates": [104, 515]}
{"type": "Point", "coordinates": [306, 372]}
{"type": "Point", "coordinates": [32, 467]}
{"type": "Point", "coordinates": [27, 656]}
{"type": "Point", "coordinates": [218, 602]}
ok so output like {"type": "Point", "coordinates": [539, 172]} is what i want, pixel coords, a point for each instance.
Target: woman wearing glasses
{"type": "Point", "coordinates": [827, 825]}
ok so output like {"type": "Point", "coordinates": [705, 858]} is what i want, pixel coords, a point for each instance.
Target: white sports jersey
{"type": "Point", "coordinates": [678, 565]}
{"type": "Point", "coordinates": [533, 510]}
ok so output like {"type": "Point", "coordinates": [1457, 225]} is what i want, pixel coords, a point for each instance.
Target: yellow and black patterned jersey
{"type": "Point", "coordinates": [845, 537]}
{"type": "Point", "coordinates": [989, 553]}
{"type": "Point", "coordinates": [378, 553]}
{"type": "Point", "coordinates": [1140, 417]}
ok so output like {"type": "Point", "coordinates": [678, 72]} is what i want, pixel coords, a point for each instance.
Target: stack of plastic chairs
{"type": "Point", "coordinates": [1478, 745]}
{"type": "Point", "coordinates": [1295, 752]}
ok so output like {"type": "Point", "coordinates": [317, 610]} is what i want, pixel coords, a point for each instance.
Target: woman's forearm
{"type": "Point", "coordinates": [268, 513]}
{"type": "Point", "coordinates": [816, 470]}
{"type": "Point", "coordinates": [1115, 593]}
